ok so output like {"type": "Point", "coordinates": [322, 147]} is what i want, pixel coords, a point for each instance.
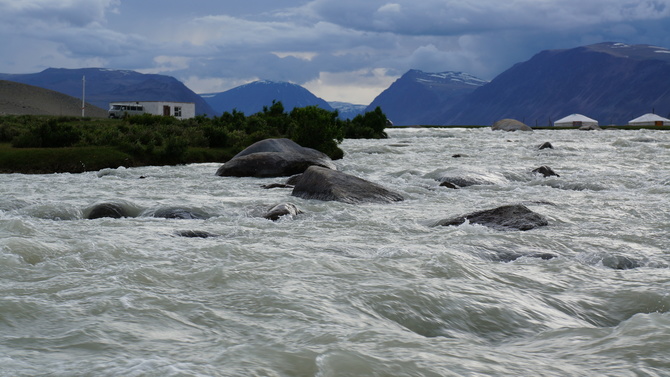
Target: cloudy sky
{"type": "Point", "coordinates": [341, 50]}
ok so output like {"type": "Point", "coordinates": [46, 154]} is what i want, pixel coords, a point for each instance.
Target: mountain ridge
{"type": "Point", "coordinates": [105, 85]}
{"type": "Point", "coordinates": [611, 82]}
{"type": "Point", "coordinates": [418, 97]}
{"type": "Point", "coordinates": [250, 98]}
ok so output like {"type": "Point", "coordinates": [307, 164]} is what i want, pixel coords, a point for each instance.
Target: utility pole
{"type": "Point", "coordinates": [83, 96]}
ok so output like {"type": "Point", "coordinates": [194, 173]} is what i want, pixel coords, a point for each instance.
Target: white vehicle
{"type": "Point", "coordinates": [180, 110]}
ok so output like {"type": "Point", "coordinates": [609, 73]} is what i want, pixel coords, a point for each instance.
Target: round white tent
{"type": "Point", "coordinates": [650, 120]}
{"type": "Point", "coordinates": [575, 120]}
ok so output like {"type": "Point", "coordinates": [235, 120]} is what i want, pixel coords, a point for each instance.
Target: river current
{"type": "Point", "coordinates": [349, 290]}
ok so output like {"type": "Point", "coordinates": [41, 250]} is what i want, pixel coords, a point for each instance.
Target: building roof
{"type": "Point", "coordinates": [646, 118]}
{"type": "Point", "coordinates": [576, 118]}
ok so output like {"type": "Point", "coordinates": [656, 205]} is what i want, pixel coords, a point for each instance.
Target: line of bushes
{"type": "Point", "coordinates": [159, 140]}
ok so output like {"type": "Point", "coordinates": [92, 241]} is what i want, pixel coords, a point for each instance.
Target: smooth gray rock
{"type": "Point", "coordinates": [546, 145]}
{"type": "Point", "coordinates": [510, 217]}
{"type": "Point", "coordinates": [274, 158]}
{"type": "Point", "coordinates": [282, 209]}
{"type": "Point", "coordinates": [510, 125]}
{"type": "Point", "coordinates": [293, 180]}
{"type": "Point", "coordinates": [325, 184]}
{"type": "Point", "coordinates": [590, 127]}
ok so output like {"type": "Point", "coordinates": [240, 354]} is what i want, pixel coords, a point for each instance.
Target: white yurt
{"type": "Point", "coordinates": [575, 120]}
{"type": "Point", "coordinates": [650, 120]}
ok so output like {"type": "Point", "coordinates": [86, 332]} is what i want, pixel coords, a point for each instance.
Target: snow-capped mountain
{"type": "Point", "coordinates": [609, 82]}
{"type": "Point", "coordinates": [419, 97]}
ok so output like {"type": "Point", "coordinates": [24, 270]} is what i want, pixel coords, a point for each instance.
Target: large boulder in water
{"type": "Point", "coordinates": [274, 158]}
{"type": "Point", "coordinates": [510, 217]}
{"type": "Point", "coordinates": [510, 125]}
{"type": "Point", "coordinates": [325, 184]}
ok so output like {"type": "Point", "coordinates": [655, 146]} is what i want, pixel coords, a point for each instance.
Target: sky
{"type": "Point", "coordinates": [341, 50]}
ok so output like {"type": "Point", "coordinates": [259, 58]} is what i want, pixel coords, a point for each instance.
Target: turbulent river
{"type": "Point", "coordinates": [349, 290]}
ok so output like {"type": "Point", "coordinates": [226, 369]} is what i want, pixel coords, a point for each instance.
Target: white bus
{"type": "Point", "coordinates": [180, 110]}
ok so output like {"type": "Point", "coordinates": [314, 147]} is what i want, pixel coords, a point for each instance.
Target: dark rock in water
{"type": "Point", "coordinates": [273, 158]}
{"type": "Point", "coordinates": [619, 262]}
{"type": "Point", "coordinates": [195, 234]}
{"type": "Point", "coordinates": [282, 209]}
{"type": "Point", "coordinates": [178, 213]}
{"type": "Point", "coordinates": [546, 145]}
{"type": "Point", "coordinates": [325, 184]}
{"type": "Point", "coordinates": [464, 181]}
{"type": "Point", "coordinates": [510, 125]}
{"type": "Point", "coordinates": [449, 185]}
{"type": "Point", "coordinates": [546, 171]}
{"type": "Point", "coordinates": [510, 217]}
{"type": "Point", "coordinates": [292, 181]}
{"type": "Point", "coordinates": [457, 155]}
{"type": "Point", "coordinates": [113, 210]}
{"type": "Point", "coordinates": [276, 185]}
{"type": "Point", "coordinates": [511, 256]}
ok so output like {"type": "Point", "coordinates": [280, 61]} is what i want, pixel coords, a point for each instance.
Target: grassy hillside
{"type": "Point", "coordinates": [22, 99]}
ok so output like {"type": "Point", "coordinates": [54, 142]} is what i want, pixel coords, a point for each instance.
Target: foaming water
{"type": "Point", "coordinates": [371, 289]}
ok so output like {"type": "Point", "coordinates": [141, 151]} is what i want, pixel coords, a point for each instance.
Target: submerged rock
{"type": "Point", "coordinates": [178, 213]}
{"type": "Point", "coordinates": [195, 234]}
{"type": "Point", "coordinates": [620, 262]}
{"type": "Point", "coordinates": [276, 185]}
{"type": "Point", "coordinates": [546, 145]}
{"type": "Point", "coordinates": [546, 171]}
{"type": "Point", "coordinates": [510, 217]}
{"type": "Point", "coordinates": [111, 210]}
{"type": "Point", "coordinates": [325, 184]}
{"type": "Point", "coordinates": [282, 209]}
{"type": "Point", "coordinates": [511, 256]}
{"type": "Point", "coordinates": [274, 158]}
{"type": "Point", "coordinates": [449, 185]}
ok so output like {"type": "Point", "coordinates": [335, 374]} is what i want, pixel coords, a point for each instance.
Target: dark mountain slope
{"type": "Point", "coordinates": [420, 98]}
{"type": "Point", "coordinates": [610, 82]}
{"type": "Point", "coordinates": [250, 98]}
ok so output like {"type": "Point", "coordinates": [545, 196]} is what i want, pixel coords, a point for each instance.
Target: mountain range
{"type": "Point", "coordinates": [610, 82]}
{"type": "Point", "coordinates": [103, 86]}
{"type": "Point", "coordinates": [419, 97]}
{"type": "Point", "coordinates": [252, 97]}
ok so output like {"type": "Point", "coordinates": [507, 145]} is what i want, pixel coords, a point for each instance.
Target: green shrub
{"type": "Point", "coordinates": [370, 125]}
{"type": "Point", "coordinates": [317, 128]}
{"type": "Point", "coordinates": [49, 134]}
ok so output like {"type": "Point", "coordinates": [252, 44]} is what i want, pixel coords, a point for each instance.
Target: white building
{"type": "Point", "coordinates": [180, 110]}
{"type": "Point", "coordinates": [650, 120]}
{"type": "Point", "coordinates": [575, 120]}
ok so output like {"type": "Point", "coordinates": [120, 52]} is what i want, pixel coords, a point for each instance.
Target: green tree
{"type": "Point", "coordinates": [370, 125]}
{"type": "Point", "coordinates": [317, 128]}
